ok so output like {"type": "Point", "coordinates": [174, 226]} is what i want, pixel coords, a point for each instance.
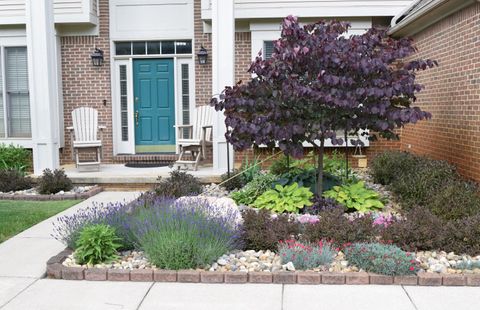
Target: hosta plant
{"type": "Point", "coordinates": [381, 258]}
{"type": "Point", "coordinates": [97, 244]}
{"type": "Point", "coordinates": [289, 198]}
{"type": "Point", "coordinates": [306, 255]}
{"type": "Point", "coordinates": [250, 192]}
{"type": "Point", "coordinates": [355, 197]}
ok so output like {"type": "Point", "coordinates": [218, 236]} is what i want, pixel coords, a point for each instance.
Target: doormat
{"type": "Point", "coordinates": [139, 164]}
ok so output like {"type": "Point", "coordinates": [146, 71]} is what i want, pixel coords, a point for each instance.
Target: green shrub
{"type": "Point", "coordinates": [462, 236]}
{"type": "Point", "coordinates": [261, 231]}
{"type": "Point", "coordinates": [13, 180]}
{"type": "Point", "coordinates": [420, 230]}
{"type": "Point", "coordinates": [418, 187]}
{"type": "Point", "coordinates": [54, 182]}
{"type": "Point", "coordinates": [15, 157]}
{"type": "Point", "coordinates": [307, 178]}
{"type": "Point", "coordinates": [251, 191]}
{"type": "Point", "coordinates": [289, 198]}
{"type": "Point", "coordinates": [355, 197]}
{"type": "Point", "coordinates": [97, 244]}
{"type": "Point", "coordinates": [306, 255]}
{"type": "Point", "coordinates": [334, 226]}
{"type": "Point", "coordinates": [386, 167]}
{"type": "Point", "coordinates": [286, 164]}
{"type": "Point", "coordinates": [250, 169]}
{"type": "Point", "coordinates": [455, 200]}
{"type": "Point", "coordinates": [234, 181]}
{"type": "Point", "coordinates": [178, 184]}
{"type": "Point", "coordinates": [381, 258]}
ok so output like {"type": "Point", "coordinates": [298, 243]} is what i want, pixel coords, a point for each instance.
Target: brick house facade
{"type": "Point", "coordinates": [452, 90]}
{"type": "Point", "coordinates": [112, 88]}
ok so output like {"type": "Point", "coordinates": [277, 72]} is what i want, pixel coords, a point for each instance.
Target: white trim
{"type": "Point", "coordinates": [178, 93]}
{"type": "Point", "coordinates": [120, 146]}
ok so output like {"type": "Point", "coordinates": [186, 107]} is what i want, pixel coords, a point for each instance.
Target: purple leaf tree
{"type": "Point", "coordinates": [320, 81]}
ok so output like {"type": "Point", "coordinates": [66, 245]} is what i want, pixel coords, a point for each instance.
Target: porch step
{"type": "Point", "coordinates": [145, 158]}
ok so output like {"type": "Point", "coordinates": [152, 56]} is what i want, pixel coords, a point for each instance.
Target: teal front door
{"type": "Point", "coordinates": [154, 105]}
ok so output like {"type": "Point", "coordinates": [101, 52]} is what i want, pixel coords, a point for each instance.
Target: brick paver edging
{"type": "Point", "coordinates": [55, 270]}
{"type": "Point", "coordinates": [92, 192]}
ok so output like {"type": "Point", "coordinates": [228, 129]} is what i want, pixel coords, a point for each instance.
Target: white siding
{"type": "Point", "coordinates": [151, 19]}
{"type": "Point", "coordinates": [66, 11]}
{"type": "Point", "coordinates": [311, 8]}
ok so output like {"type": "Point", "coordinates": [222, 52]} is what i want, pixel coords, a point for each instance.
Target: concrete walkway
{"type": "Point", "coordinates": [22, 286]}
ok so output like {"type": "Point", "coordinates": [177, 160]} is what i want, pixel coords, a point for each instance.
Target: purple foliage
{"type": "Point", "coordinates": [321, 204]}
{"type": "Point", "coordinates": [202, 216]}
{"type": "Point", "coordinates": [319, 81]}
{"type": "Point", "coordinates": [117, 215]}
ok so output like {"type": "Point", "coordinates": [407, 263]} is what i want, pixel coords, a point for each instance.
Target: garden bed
{"type": "Point", "coordinates": [269, 227]}
{"type": "Point", "coordinates": [56, 270]}
{"type": "Point", "coordinates": [78, 192]}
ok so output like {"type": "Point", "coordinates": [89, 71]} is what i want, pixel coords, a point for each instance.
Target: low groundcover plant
{"type": "Point", "coordinates": [380, 258]}
{"type": "Point", "coordinates": [306, 255]}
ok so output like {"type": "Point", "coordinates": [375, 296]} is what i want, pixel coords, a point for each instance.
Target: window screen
{"type": "Point", "coordinates": [123, 102]}
{"type": "Point", "coordinates": [185, 98]}
{"type": "Point", "coordinates": [267, 49]}
{"type": "Point", "coordinates": [18, 101]}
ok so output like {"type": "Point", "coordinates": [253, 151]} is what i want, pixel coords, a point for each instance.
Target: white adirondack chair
{"type": "Point", "coordinates": [84, 135]}
{"type": "Point", "coordinates": [199, 137]}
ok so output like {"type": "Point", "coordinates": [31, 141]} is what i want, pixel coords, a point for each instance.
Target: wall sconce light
{"type": "Point", "coordinates": [202, 55]}
{"type": "Point", "coordinates": [97, 57]}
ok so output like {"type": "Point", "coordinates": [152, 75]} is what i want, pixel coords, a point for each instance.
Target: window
{"type": "Point", "coordinates": [14, 95]}
{"type": "Point", "coordinates": [267, 49]}
{"type": "Point", "coordinates": [153, 47]}
{"type": "Point", "coordinates": [185, 98]}
{"type": "Point", "coordinates": [123, 102]}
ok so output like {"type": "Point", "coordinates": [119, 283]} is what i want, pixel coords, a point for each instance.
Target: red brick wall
{"type": "Point", "coordinates": [451, 94]}
{"type": "Point", "coordinates": [85, 85]}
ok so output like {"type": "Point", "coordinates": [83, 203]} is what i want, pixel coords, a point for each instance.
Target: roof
{"type": "Point", "coordinates": [423, 13]}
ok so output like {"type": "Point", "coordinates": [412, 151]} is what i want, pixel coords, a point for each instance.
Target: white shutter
{"type": "Point", "coordinates": [2, 108]}
{"type": "Point", "coordinates": [18, 101]}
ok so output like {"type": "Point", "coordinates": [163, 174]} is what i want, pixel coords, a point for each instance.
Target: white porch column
{"type": "Point", "coordinates": [223, 70]}
{"type": "Point", "coordinates": [42, 67]}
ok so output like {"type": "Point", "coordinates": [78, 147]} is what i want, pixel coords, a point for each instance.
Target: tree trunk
{"type": "Point", "coordinates": [320, 152]}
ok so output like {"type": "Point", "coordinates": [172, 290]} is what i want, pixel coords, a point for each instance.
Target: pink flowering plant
{"type": "Point", "coordinates": [306, 255]}
{"type": "Point", "coordinates": [380, 258]}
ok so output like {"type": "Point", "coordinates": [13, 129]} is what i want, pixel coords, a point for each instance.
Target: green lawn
{"type": "Point", "coordinates": [16, 216]}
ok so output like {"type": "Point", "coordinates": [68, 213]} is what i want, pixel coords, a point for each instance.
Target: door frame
{"type": "Point", "coordinates": [128, 147]}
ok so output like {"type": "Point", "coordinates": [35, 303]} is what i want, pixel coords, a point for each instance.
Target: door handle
{"type": "Point", "coordinates": [136, 118]}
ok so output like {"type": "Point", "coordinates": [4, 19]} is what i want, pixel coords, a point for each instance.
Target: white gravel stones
{"type": "Point", "coordinates": [246, 261]}
{"type": "Point", "coordinates": [127, 260]}
{"type": "Point", "coordinates": [442, 262]}
{"type": "Point", "coordinates": [33, 191]}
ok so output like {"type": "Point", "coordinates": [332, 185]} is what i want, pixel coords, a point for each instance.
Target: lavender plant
{"type": "Point", "coordinates": [117, 215]}
{"type": "Point", "coordinates": [306, 255]}
{"type": "Point", "coordinates": [181, 236]}
{"type": "Point", "coordinates": [318, 81]}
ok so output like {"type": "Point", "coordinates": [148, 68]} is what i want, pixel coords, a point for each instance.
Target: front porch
{"type": "Point", "coordinates": [118, 176]}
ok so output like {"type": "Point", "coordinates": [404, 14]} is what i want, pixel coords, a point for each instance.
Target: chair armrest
{"type": "Point", "coordinates": [70, 128]}
{"type": "Point", "coordinates": [208, 126]}
{"type": "Point", "coordinates": [182, 126]}
{"type": "Point", "coordinates": [102, 127]}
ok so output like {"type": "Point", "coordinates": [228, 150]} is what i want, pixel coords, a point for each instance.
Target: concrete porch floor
{"type": "Point", "coordinates": [117, 175]}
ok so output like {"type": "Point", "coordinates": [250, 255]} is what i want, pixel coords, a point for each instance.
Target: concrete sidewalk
{"type": "Point", "coordinates": [22, 286]}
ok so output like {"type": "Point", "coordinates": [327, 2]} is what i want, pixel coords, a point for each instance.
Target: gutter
{"type": "Point", "coordinates": [426, 16]}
